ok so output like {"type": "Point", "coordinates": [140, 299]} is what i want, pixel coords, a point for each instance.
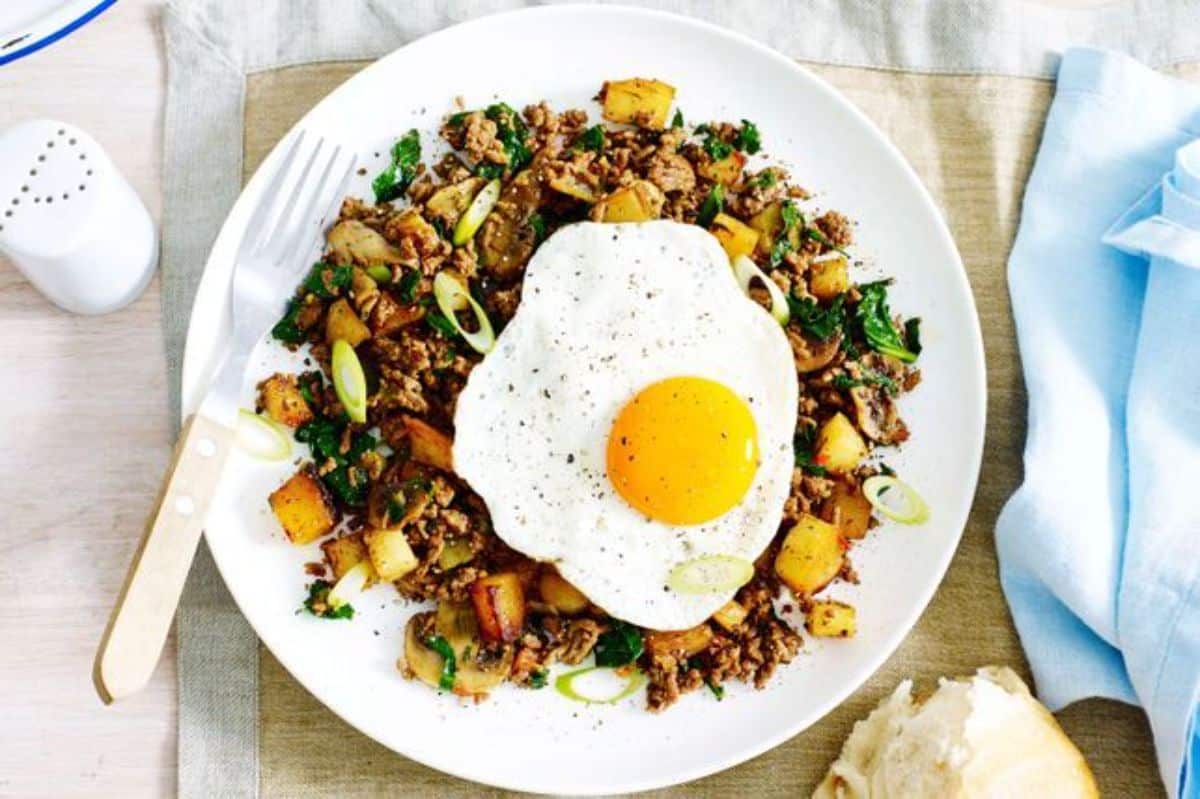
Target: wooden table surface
{"type": "Point", "coordinates": [83, 441]}
{"type": "Point", "coordinates": [84, 436]}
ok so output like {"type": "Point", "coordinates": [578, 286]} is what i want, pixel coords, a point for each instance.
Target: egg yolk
{"type": "Point", "coordinates": [683, 450]}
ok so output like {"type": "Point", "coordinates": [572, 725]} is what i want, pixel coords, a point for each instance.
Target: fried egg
{"type": "Point", "coordinates": [636, 414]}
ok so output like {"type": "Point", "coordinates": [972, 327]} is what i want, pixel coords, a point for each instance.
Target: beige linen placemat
{"type": "Point", "coordinates": [246, 727]}
{"type": "Point", "coordinates": [972, 140]}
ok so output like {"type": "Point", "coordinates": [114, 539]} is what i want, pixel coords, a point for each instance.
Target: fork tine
{"type": "Point", "coordinates": [276, 233]}
{"type": "Point", "coordinates": [294, 248]}
{"type": "Point", "coordinates": [270, 197]}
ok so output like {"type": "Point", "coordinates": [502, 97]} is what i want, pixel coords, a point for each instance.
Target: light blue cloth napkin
{"type": "Point", "coordinates": [1100, 548]}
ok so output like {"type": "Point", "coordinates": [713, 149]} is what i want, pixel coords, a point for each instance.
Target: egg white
{"type": "Point", "coordinates": [605, 311]}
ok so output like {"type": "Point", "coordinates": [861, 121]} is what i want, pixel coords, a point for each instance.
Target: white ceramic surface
{"type": "Point", "coordinates": [26, 26]}
{"type": "Point", "coordinates": [536, 740]}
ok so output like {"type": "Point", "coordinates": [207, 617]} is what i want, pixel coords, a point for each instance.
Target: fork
{"type": "Point", "coordinates": [270, 260]}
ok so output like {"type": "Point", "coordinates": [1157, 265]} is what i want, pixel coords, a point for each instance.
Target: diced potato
{"type": "Point", "coordinates": [343, 323]}
{"type": "Point", "coordinates": [560, 594]}
{"type": "Point", "coordinates": [769, 224]}
{"type": "Point", "coordinates": [839, 447]}
{"type": "Point", "coordinates": [279, 395]}
{"type": "Point", "coordinates": [735, 236]}
{"type": "Point", "coordinates": [812, 554]}
{"type": "Point", "coordinates": [429, 445]}
{"type": "Point", "coordinates": [640, 201]}
{"type": "Point", "coordinates": [731, 615]}
{"type": "Point", "coordinates": [388, 316]}
{"type": "Point", "coordinates": [353, 242]}
{"type": "Point", "coordinates": [829, 278]}
{"type": "Point", "coordinates": [499, 603]}
{"type": "Point", "coordinates": [449, 202]}
{"type": "Point", "coordinates": [829, 619]}
{"type": "Point", "coordinates": [572, 186]}
{"type": "Point", "coordinates": [726, 171]}
{"type": "Point", "coordinates": [848, 510]}
{"type": "Point", "coordinates": [345, 553]}
{"type": "Point", "coordinates": [637, 101]}
{"type": "Point", "coordinates": [679, 642]}
{"type": "Point", "coordinates": [390, 553]}
{"type": "Point", "coordinates": [304, 507]}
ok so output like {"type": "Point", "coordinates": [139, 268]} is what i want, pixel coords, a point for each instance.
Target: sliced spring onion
{"type": "Point", "coordinates": [261, 437]}
{"type": "Point", "coordinates": [349, 381]}
{"type": "Point", "coordinates": [745, 270]}
{"type": "Point", "coordinates": [710, 573]}
{"type": "Point", "coordinates": [380, 273]}
{"type": "Point", "coordinates": [567, 685]}
{"type": "Point", "coordinates": [351, 584]}
{"type": "Point", "coordinates": [452, 296]}
{"type": "Point", "coordinates": [901, 504]}
{"type": "Point", "coordinates": [476, 212]}
{"type": "Point", "coordinates": [832, 255]}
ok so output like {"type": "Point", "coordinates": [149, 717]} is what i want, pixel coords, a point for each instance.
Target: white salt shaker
{"type": "Point", "coordinates": [70, 221]}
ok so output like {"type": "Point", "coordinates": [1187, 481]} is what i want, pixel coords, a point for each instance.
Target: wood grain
{"type": "Point", "coordinates": [84, 439]}
{"type": "Point", "coordinates": [133, 641]}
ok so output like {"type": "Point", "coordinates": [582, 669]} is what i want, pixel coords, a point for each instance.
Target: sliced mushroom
{"type": "Point", "coordinates": [506, 239]}
{"type": "Point", "coordinates": [810, 353]}
{"type": "Point", "coordinates": [876, 415]}
{"type": "Point", "coordinates": [353, 242]}
{"type": "Point", "coordinates": [477, 669]}
{"type": "Point", "coordinates": [449, 202]}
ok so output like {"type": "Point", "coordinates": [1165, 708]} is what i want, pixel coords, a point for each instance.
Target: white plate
{"type": "Point", "coordinates": [27, 26]}
{"type": "Point", "coordinates": [536, 740]}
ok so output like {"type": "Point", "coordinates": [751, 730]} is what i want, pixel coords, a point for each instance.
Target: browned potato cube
{"type": "Point", "coordinates": [499, 603]}
{"type": "Point", "coordinates": [572, 186]}
{"type": "Point", "coordinates": [731, 615]}
{"type": "Point", "coordinates": [279, 395]}
{"type": "Point", "coordinates": [829, 278]}
{"type": "Point", "coordinates": [848, 510]}
{"type": "Point", "coordinates": [679, 642]}
{"type": "Point", "coordinates": [560, 594]}
{"type": "Point", "coordinates": [345, 553]}
{"type": "Point", "coordinates": [390, 554]}
{"type": "Point", "coordinates": [829, 619]}
{"type": "Point", "coordinates": [839, 447]}
{"type": "Point", "coordinates": [429, 445]}
{"type": "Point", "coordinates": [812, 554]}
{"type": "Point", "coordinates": [735, 236]}
{"type": "Point", "coordinates": [637, 101]}
{"type": "Point", "coordinates": [341, 322]}
{"type": "Point", "coordinates": [640, 201]}
{"type": "Point", "coordinates": [726, 171]}
{"type": "Point", "coordinates": [304, 507]}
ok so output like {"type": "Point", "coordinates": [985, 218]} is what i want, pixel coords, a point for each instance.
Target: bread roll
{"type": "Point", "coordinates": [982, 736]}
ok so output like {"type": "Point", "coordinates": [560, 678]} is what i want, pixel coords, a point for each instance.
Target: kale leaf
{"type": "Point", "coordinates": [711, 206]}
{"type": "Point", "coordinates": [395, 179]}
{"type": "Point", "coordinates": [286, 329]}
{"type": "Point", "coordinates": [875, 320]}
{"type": "Point", "coordinates": [820, 323]}
{"type": "Point", "coordinates": [792, 218]}
{"type": "Point", "coordinates": [869, 378]}
{"type": "Point", "coordinates": [318, 605]}
{"type": "Point", "coordinates": [512, 133]}
{"type": "Point", "coordinates": [803, 445]}
{"type": "Point", "coordinates": [327, 280]}
{"type": "Point", "coordinates": [748, 139]}
{"type": "Point", "coordinates": [539, 678]}
{"type": "Point", "coordinates": [717, 689]}
{"type": "Point", "coordinates": [408, 286]}
{"type": "Point", "coordinates": [449, 663]}
{"type": "Point", "coordinates": [621, 645]}
{"type": "Point", "coordinates": [591, 139]}
{"type": "Point", "coordinates": [677, 120]}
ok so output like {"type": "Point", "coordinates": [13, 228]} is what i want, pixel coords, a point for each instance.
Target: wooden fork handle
{"type": "Point", "coordinates": [138, 627]}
